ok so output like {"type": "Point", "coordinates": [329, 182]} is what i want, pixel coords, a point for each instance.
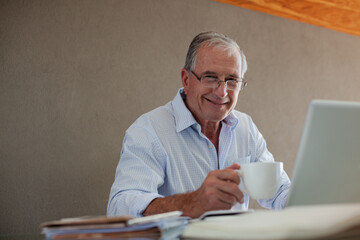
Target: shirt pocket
{"type": "Point", "coordinates": [240, 160]}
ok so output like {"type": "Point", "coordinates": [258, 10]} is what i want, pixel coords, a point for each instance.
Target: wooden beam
{"type": "Point", "coordinates": [340, 15]}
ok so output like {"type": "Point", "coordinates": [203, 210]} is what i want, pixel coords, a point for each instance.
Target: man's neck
{"type": "Point", "coordinates": [212, 131]}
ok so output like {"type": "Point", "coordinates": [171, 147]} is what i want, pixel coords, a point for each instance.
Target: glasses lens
{"type": "Point", "coordinates": [232, 85]}
{"type": "Point", "coordinates": [210, 82]}
{"type": "Point", "coordinates": [213, 82]}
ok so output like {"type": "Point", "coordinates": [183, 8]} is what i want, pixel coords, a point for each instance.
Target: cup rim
{"type": "Point", "coordinates": [262, 163]}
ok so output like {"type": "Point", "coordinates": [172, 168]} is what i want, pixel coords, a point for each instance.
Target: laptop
{"type": "Point", "coordinates": [327, 167]}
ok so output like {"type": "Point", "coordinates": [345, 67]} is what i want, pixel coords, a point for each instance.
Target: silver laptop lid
{"type": "Point", "coordinates": [327, 167]}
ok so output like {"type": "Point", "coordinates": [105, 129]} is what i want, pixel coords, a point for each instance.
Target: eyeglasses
{"type": "Point", "coordinates": [212, 81]}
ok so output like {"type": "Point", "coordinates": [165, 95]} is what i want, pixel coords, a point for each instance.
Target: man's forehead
{"type": "Point", "coordinates": [211, 59]}
{"type": "Point", "coordinates": [210, 72]}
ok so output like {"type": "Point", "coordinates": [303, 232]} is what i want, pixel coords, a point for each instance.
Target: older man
{"type": "Point", "coordinates": [183, 156]}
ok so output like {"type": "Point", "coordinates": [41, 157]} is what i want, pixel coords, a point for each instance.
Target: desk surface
{"type": "Point", "coordinates": [42, 237]}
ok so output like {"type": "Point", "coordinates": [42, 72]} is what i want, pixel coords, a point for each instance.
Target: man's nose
{"type": "Point", "coordinates": [221, 90]}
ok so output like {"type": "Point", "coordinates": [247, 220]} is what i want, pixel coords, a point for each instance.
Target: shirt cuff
{"type": "Point", "coordinates": [141, 202]}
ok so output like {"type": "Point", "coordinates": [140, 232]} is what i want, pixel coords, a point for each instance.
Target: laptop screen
{"type": "Point", "coordinates": [327, 167]}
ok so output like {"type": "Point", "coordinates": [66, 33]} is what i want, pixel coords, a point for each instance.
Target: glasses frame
{"type": "Point", "coordinates": [241, 82]}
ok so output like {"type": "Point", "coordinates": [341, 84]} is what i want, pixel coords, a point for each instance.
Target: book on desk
{"type": "Point", "coordinates": [332, 221]}
{"type": "Point", "coordinates": [166, 225]}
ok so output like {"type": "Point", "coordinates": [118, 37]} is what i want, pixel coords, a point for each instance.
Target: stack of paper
{"type": "Point", "coordinates": [302, 222]}
{"type": "Point", "coordinates": [169, 225]}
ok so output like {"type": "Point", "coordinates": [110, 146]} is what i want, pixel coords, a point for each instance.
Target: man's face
{"type": "Point", "coordinates": [212, 104]}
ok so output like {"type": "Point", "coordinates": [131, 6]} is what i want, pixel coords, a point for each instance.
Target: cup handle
{"type": "Point", "coordinates": [241, 185]}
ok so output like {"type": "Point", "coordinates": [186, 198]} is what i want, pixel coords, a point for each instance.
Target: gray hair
{"type": "Point", "coordinates": [218, 40]}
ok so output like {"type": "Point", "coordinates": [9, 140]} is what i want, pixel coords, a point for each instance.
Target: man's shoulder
{"type": "Point", "coordinates": [245, 122]}
{"type": "Point", "coordinates": [159, 116]}
{"type": "Point", "coordinates": [161, 113]}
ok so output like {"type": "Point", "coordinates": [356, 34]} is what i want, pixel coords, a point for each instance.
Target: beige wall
{"type": "Point", "coordinates": [75, 74]}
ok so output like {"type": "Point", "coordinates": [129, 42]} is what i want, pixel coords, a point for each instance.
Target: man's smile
{"type": "Point", "coordinates": [217, 102]}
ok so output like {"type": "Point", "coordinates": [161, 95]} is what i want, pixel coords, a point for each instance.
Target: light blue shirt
{"type": "Point", "coordinates": [164, 153]}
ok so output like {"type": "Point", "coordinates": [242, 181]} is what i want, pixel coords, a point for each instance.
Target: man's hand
{"type": "Point", "coordinates": [219, 191]}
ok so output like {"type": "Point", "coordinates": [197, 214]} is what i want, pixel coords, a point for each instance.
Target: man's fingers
{"type": "Point", "coordinates": [233, 197]}
{"type": "Point", "coordinates": [220, 190]}
{"type": "Point", "coordinates": [233, 190]}
{"type": "Point", "coordinates": [234, 166]}
{"type": "Point", "coordinates": [226, 181]}
{"type": "Point", "coordinates": [221, 200]}
{"type": "Point", "coordinates": [228, 175]}
{"type": "Point", "coordinates": [226, 201]}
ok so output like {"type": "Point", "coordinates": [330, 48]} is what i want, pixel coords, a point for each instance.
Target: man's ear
{"type": "Point", "coordinates": [185, 78]}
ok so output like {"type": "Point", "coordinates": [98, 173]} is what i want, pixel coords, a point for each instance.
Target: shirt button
{"type": "Point", "coordinates": [197, 126]}
{"type": "Point", "coordinates": [210, 146]}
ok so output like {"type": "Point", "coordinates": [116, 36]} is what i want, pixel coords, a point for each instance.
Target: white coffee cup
{"type": "Point", "coordinates": [260, 180]}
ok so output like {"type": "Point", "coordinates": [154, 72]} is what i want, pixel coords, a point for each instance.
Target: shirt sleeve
{"type": "Point", "coordinates": [262, 154]}
{"type": "Point", "coordinates": [140, 172]}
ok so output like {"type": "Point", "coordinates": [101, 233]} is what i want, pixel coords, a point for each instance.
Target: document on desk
{"type": "Point", "coordinates": [298, 222]}
{"type": "Point", "coordinates": [170, 224]}
{"type": "Point", "coordinates": [218, 213]}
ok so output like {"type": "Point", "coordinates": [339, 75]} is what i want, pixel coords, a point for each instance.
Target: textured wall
{"type": "Point", "coordinates": [75, 74]}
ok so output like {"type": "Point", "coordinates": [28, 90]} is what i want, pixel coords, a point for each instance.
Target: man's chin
{"type": "Point", "coordinates": [218, 113]}
{"type": "Point", "coordinates": [217, 118]}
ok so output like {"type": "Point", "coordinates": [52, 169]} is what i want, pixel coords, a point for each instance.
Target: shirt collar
{"type": "Point", "coordinates": [231, 121]}
{"type": "Point", "coordinates": [185, 119]}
